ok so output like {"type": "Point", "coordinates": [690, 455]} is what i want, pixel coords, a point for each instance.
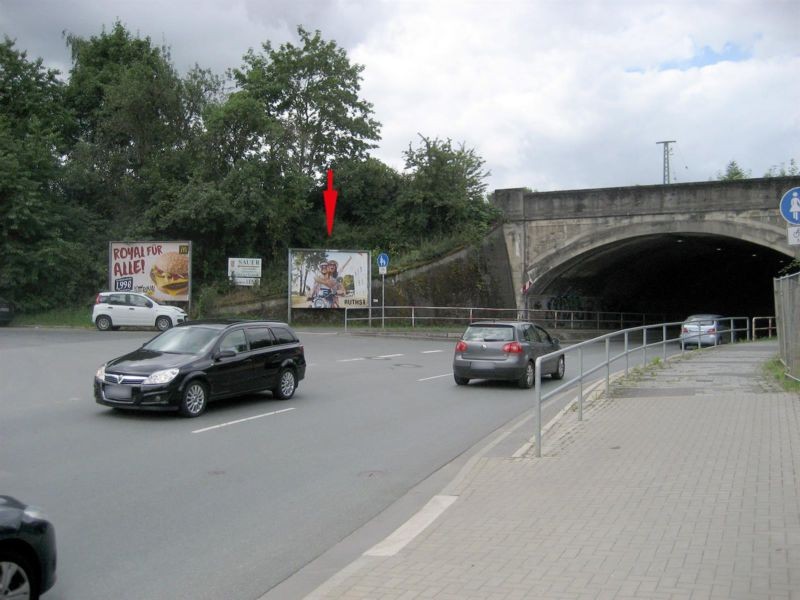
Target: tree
{"type": "Point", "coordinates": [44, 256]}
{"type": "Point", "coordinates": [312, 90]}
{"type": "Point", "coordinates": [733, 172]}
{"type": "Point", "coordinates": [445, 188]}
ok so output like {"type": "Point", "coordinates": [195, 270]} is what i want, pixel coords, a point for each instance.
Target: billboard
{"type": "Point", "coordinates": [329, 279]}
{"type": "Point", "coordinates": [162, 270]}
{"type": "Point", "coordinates": [244, 271]}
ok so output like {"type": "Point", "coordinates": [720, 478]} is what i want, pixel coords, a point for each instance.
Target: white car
{"type": "Point", "coordinates": [705, 330]}
{"type": "Point", "coordinates": [117, 309]}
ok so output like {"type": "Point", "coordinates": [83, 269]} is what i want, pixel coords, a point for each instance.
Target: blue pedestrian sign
{"type": "Point", "coordinates": [383, 260]}
{"type": "Point", "coordinates": [790, 206]}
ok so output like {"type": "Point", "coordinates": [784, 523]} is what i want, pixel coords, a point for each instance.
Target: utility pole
{"type": "Point", "coordinates": [666, 158]}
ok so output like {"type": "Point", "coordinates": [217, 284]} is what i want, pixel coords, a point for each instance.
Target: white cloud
{"type": "Point", "coordinates": [554, 95]}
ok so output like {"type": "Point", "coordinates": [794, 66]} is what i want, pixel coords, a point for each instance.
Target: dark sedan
{"type": "Point", "coordinates": [185, 367]}
{"type": "Point", "coordinates": [27, 551]}
{"type": "Point", "coordinates": [505, 351]}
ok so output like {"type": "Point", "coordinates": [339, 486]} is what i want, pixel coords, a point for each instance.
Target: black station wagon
{"type": "Point", "coordinates": [185, 367]}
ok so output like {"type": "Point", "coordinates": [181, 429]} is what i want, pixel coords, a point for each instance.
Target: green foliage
{"type": "Point", "coordinates": [42, 253]}
{"type": "Point", "coordinates": [130, 149]}
{"type": "Point", "coordinates": [783, 171]}
{"type": "Point", "coordinates": [312, 90]}
{"type": "Point", "coordinates": [733, 172]}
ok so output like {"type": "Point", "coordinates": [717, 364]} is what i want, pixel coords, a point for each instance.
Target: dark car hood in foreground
{"type": "Point", "coordinates": [145, 362]}
{"type": "Point", "coordinates": [10, 512]}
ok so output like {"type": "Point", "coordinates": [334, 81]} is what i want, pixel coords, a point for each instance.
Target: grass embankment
{"type": "Point", "coordinates": [775, 370]}
{"type": "Point", "coordinates": [62, 317]}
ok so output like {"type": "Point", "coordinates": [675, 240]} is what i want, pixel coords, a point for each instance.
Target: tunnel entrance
{"type": "Point", "coordinates": [673, 275]}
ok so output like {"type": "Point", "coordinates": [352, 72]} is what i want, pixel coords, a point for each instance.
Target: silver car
{"type": "Point", "coordinates": [704, 330]}
{"type": "Point", "coordinates": [505, 350]}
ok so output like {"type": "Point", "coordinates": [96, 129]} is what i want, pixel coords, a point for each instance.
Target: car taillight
{"type": "Point", "coordinates": [461, 346]}
{"type": "Point", "coordinates": [97, 299]}
{"type": "Point", "coordinates": [712, 330]}
{"type": "Point", "coordinates": [513, 348]}
{"type": "Point", "coordinates": [685, 330]}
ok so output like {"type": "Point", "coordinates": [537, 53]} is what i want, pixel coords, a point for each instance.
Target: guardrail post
{"type": "Point", "coordinates": [413, 320]}
{"type": "Point", "coordinates": [626, 354]}
{"type": "Point", "coordinates": [644, 346]}
{"type": "Point", "coordinates": [538, 383]}
{"type": "Point", "coordinates": [580, 384]}
{"type": "Point", "coordinates": [608, 366]}
{"type": "Point", "coordinates": [664, 342]}
{"type": "Point", "coordinates": [345, 318]}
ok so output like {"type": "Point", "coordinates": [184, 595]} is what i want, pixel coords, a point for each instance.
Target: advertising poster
{"type": "Point", "coordinates": [244, 271]}
{"type": "Point", "coordinates": [162, 270]}
{"type": "Point", "coordinates": [329, 279]}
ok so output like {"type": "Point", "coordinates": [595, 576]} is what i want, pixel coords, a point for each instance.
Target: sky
{"type": "Point", "coordinates": [552, 94]}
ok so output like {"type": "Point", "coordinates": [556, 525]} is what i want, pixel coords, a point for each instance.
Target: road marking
{"type": "Point", "coordinates": [350, 359]}
{"type": "Point", "coordinates": [412, 528]}
{"type": "Point", "coordinates": [431, 351]}
{"type": "Point", "coordinates": [389, 356]}
{"type": "Point", "coordinates": [221, 425]}
{"type": "Point", "coordinates": [435, 377]}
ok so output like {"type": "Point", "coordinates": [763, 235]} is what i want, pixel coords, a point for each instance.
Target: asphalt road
{"type": "Point", "coordinates": [229, 505]}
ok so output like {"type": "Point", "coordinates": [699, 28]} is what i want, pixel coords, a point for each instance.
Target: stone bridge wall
{"type": "Point", "coordinates": [545, 230]}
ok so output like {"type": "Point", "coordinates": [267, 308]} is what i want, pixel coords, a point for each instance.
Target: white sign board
{"type": "Point", "coordinates": [244, 271]}
{"type": "Point", "coordinates": [794, 236]}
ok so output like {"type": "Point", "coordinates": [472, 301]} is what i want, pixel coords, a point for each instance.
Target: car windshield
{"type": "Point", "coordinates": [491, 333]}
{"type": "Point", "coordinates": [184, 340]}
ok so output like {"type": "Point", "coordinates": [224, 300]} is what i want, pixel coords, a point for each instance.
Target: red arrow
{"type": "Point", "coordinates": [330, 196]}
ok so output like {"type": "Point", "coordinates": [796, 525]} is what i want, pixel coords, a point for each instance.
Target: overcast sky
{"type": "Point", "coordinates": [554, 95]}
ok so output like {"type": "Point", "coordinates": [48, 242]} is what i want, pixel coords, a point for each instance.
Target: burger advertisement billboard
{"type": "Point", "coordinates": [162, 270]}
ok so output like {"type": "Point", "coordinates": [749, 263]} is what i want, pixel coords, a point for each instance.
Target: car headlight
{"type": "Point", "coordinates": [34, 513]}
{"type": "Point", "coordinates": [161, 377]}
{"type": "Point", "coordinates": [101, 373]}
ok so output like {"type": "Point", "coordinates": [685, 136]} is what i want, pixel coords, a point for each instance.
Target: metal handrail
{"type": "Point", "coordinates": [566, 319]}
{"type": "Point", "coordinates": [625, 334]}
{"type": "Point", "coordinates": [771, 327]}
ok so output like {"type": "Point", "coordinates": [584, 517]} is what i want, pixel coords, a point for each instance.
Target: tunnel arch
{"type": "Point", "coordinates": [670, 267]}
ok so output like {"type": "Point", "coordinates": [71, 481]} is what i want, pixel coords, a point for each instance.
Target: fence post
{"type": "Point", "coordinates": [538, 383]}
{"type": "Point", "coordinates": [644, 347]}
{"type": "Point", "coordinates": [608, 366]}
{"type": "Point", "coordinates": [580, 389]}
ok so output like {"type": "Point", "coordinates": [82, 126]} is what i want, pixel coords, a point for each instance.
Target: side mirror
{"type": "Point", "coordinates": [224, 354]}
{"type": "Point", "coordinates": [149, 304]}
{"type": "Point", "coordinates": [556, 341]}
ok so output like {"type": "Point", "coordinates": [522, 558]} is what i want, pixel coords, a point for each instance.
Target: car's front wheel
{"type": "Point", "coordinates": [163, 323]}
{"type": "Point", "coordinates": [527, 379]}
{"type": "Point", "coordinates": [17, 577]}
{"type": "Point", "coordinates": [287, 384]}
{"type": "Point", "coordinates": [194, 399]}
{"type": "Point", "coordinates": [103, 323]}
{"type": "Point", "coordinates": [560, 368]}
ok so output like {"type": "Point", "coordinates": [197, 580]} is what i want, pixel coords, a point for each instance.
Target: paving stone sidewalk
{"type": "Point", "coordinates": [684, 484]}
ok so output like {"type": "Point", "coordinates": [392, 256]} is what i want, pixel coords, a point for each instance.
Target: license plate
{"type": "Point", "coordinates": [118, 392]}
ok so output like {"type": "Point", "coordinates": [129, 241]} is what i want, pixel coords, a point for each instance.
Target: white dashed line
{"type": "Point", "coordinates": [435, 377]}
{"type": "Point", "coordinates": [350, 359]}
{"type": "Point", "coordinates": [221, 425]}
{"type": "Point", "coordinates": [431, 351]}
{"type": "Point", "coordinates": [389, 356]}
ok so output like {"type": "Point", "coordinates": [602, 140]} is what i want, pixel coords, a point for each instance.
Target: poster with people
{"type": "Point", "coordinates": [329, 278]}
